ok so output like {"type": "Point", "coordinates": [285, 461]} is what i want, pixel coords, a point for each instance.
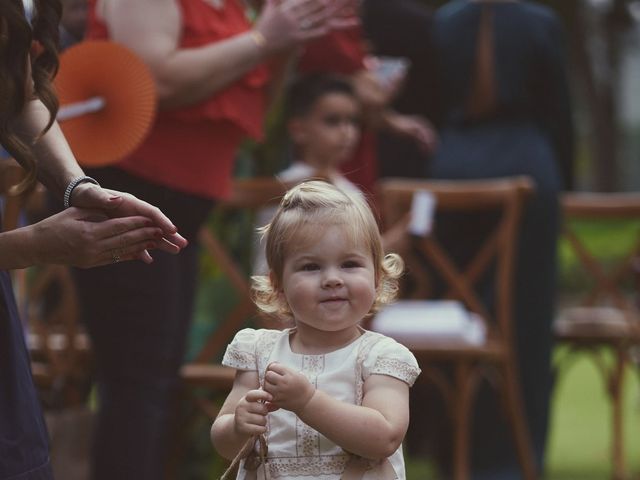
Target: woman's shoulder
{"type": "Point", "coordinates": [456, 8]}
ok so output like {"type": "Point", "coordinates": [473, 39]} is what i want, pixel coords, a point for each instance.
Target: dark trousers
{"type": "Point", "coordinates": [138, 317]}
{"type": "Point", "coordinates": [24, 447]}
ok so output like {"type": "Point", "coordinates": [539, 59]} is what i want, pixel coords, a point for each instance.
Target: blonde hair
{"type": "Point", "coordinates": [317, 203]}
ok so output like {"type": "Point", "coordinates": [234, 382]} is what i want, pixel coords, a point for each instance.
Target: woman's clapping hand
{"type": "Point", "coordinates": [287, 23]}
{"type": "Point", "coordinates": [88, 238]}
{"type": "Point", "coordinates": [116, 204]}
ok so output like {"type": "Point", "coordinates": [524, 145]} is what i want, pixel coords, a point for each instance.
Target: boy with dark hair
{"type": "Point", "coordinates": [324, 127]}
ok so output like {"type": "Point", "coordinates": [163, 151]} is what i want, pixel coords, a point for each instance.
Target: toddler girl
{"type": "Point", "coordinates": [328, 399]}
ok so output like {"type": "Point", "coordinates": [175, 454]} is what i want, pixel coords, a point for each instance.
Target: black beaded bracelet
{"type": "Point", "coordinates": [73, 184]}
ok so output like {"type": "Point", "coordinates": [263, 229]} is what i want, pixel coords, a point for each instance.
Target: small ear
{"type": "Point", "coordinates": [297, 131]}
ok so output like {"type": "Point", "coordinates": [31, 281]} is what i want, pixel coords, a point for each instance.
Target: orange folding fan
{"type": "Point", "coordinates": [107, 101]}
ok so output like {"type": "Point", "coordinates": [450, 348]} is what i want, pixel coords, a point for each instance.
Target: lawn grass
{"type": "Point", "coordinates": [580, 430]}
{"type": "Point", "coordinates": [580, 438]}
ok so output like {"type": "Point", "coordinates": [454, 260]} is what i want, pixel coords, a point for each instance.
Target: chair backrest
{"type": "Point", "coordinates": [250, 194]}
{"type": "Point", "coordinates": [611, 279]}
{"type": "Point", "coordinates": [430, 258]}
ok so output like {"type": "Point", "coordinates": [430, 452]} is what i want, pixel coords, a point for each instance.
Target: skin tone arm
{"type": "Point", "coordinates": [57, 167]}
{"type": "Point", "coordinates": [243, 414]}
{"type": "Point", "coordinates": [79, 237]}
{"type": "Point", "coordinates": [188, 75]}
{"type": "Point", "coordinates": [56, 164]}
{"type": "Point", "coordinates": [373, 430]}
{"type": "Point", "coordinates": [86, 236]}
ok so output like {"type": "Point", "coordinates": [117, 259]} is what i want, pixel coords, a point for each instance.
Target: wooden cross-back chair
{"type": "Point", "coordinates": [605, 319]}
{"type": "Point", "coordinates": [249, 194]}
{"type": "Point", "coordinates": [470, 361]}
{"type": "Point", "coordinates": [203, 372]}
{"type": "Point", "coordinates": [47, 299]}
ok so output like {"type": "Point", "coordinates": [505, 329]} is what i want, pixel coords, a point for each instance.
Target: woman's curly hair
{"type": "Point", "coordinates": [24, 74]}
{"type": "Point", "coordinates": [315, 204]}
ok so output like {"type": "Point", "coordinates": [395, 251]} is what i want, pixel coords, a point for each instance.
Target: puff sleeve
{"type": "Point", "coordinates": [388, 357]}
{"type": "Point", "coordinates": [241, 352]}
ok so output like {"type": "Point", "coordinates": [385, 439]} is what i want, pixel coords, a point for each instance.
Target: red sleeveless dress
{"type": "Point", "coordinates": [192, 149]}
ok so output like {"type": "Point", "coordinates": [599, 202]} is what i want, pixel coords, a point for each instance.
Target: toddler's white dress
{"type": "Point", "coordinates": [295, 450]}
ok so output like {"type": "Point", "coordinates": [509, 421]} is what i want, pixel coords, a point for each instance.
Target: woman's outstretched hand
{"type": "Point", "coordinates": [89, 238]}
{"type": "Point", "coordinates": [116, 204]}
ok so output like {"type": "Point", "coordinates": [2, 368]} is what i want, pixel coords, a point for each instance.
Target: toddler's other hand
{"type": "Point", "coordinates": [251, 413]}
{"type": "Point", "coordinates": [289, 389]}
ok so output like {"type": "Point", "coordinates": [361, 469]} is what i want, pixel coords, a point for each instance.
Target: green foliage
{"type": "Point", "coordinates": [580, 437]}
{"type": "Point", "coordinates": [199, 460]}
{"type": "Point", "coordinates": [610, 241]}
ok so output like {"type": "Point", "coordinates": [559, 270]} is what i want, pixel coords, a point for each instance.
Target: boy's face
{"type": "Point", "coordinates": [329, 133]}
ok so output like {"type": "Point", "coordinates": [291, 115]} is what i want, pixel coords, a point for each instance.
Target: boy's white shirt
{"type": "Point", "coordinates": [299, 171]}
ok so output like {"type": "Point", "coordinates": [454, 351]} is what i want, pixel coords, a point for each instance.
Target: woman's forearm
{"type": "Point", "coordinates": [357, 429]}
{"type": "Point", "coordinates": [17, 249]}
{"type": "Point", "coordinates": [56, 164]}
{"type": "Point", "coordinates": [191, 75]}
{"type": "Point", "coordinates": [184, 76]}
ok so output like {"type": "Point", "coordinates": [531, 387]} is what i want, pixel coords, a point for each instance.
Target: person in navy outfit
{"type": "Point", "coordinates": [502, 108]}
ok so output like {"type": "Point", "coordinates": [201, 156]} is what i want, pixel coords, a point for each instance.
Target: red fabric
{"type": "Point", "coordinates": [193, 148]}
{"type": "Point", "coordinates": [343, 52]}
{"type": "Point", "coordinates": [340, 51]}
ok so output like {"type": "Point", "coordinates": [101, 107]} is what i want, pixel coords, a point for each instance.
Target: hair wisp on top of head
{"type": "Point", "coordinates": [313, 204]}
{"type": "Point", "coordinates": [22, 77]}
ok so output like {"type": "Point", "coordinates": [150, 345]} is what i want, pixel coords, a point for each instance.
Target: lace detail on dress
{"type": "Point", "coordinates": [312, 366]}
{"type": "Point", "coordinates": [264, 347]}
{"type": "Point", "coordinates": [239, 359]}
{"type": "Point", "coordinates": [397, 369]}
{"type": "Point", "coordinates": [366, 344]}
{"type": "Point", "coordinates": [308, 466]}
{"type": "Point", "coordinates": [307, 438]}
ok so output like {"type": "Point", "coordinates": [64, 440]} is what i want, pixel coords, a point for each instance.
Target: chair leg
{"type": "Point", "coordinates": [461, 416]}
{"type": "Point", "coordinates": [517, 422]}
{"type": "Point", "coordinates": [616, 380]}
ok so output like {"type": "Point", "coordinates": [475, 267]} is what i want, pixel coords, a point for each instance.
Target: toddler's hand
{"type": "Point", "coordinates": [251, 413]}
{"type": "Point", "coordinates": [289, 389]}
